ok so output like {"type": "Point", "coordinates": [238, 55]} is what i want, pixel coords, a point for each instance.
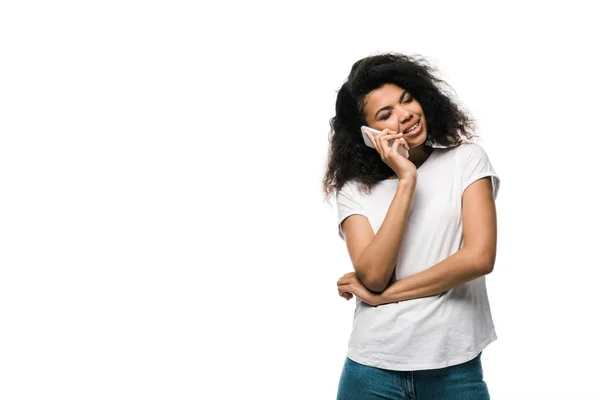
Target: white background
{"type": "Point", "coordinates": [163, 230]}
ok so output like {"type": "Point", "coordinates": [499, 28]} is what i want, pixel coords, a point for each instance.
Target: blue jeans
{"type": "Point", "coordinates": [456, 382]}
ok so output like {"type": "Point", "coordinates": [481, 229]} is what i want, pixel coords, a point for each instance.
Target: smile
{"type": "Point", "coordinates": [413, 130]}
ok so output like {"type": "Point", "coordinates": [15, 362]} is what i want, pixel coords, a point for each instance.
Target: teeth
{"type": "Point", "coordinates": [413, 128]}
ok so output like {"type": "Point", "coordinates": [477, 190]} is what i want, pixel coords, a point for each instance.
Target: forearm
{"type": "Point", "coordinates": [461, 267]}
{"type": "Point", "coordinates": [378, 260]}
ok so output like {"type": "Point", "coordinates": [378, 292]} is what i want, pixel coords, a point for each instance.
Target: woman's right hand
{"type": "Point", "coordinates": [403, 167]}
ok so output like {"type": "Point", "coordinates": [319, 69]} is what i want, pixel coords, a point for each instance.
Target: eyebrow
{"type": "Point", "coordinates": [389, 107]}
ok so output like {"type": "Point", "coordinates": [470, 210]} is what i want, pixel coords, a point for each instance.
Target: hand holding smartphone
{"type": "Point", "coordinates": [403, 152]}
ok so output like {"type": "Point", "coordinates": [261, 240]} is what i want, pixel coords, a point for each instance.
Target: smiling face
{"type": "Point", "coordinates": [394, 108]}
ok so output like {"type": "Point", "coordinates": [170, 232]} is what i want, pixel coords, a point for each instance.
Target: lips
{"type": "Point", "coordinates": [407, 128]}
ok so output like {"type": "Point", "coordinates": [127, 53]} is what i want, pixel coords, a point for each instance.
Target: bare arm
{"type": "Point", "coordinates": [474, 259]}
{"type": "Point", "coordinates": [374, 256]}
{"type": "Point", "coordinates": [461, 267]}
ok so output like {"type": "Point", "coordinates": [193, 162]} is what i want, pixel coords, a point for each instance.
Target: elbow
{"type": "Point", "coordinates": [487, 265]}
{"type": "Point", "coordinates": [485, 260]}
{"type": "Point", "coordinates": [375, 285]}
{"type": "Point", "coordinates": [371, 282]}
{"type": "Point", "coordinates": [487, 269]}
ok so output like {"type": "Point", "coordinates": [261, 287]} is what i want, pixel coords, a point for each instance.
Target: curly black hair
{"type": "Point", "coordinates": [348, 157]}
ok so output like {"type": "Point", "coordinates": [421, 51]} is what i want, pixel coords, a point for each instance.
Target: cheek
{"type": "Point", "coordinates": [381, 125]}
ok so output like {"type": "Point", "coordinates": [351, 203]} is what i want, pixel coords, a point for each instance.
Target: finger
{"type": "Point", "coordinates": [384, 143]}
{"type": "Point", "coordinates": [344, 289]}
{"type": "Point", "coordinates": [347, 288]}
{"type": "Point", "coordinates": [397, 143]}
{"type": "Point", "coordinates": [342, 281]}
{"type": "Point", "coordinates": [374, 141]}
{"type": "Point", "coordinates": [392, 138]}
{"type": "Point", "coordinates": [384, 137]}
{"type": "Point", "coordinates": [404, 142]}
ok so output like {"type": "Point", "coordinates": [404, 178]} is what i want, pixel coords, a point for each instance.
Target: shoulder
{"type": "Point", "coordinates": [468, 151]}
{"type": "Point", "coordinates": [347, 187]}
{"type": "Point", "coordinates": [347, 191]}
{"type": "Point", "coordinates": [469, 148]}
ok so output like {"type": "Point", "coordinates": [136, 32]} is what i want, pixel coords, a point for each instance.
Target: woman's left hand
{"type": "Point", "coordinates": [349, 284]}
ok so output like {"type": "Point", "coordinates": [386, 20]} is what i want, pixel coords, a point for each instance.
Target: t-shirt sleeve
{"type": "Point", "coordinates": [476, 165]}
{"type": "Point", "coordinates": [347, 205]}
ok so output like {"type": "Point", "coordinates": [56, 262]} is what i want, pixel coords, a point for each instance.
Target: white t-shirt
{"type": "Point", "coordinates": [435, 331]}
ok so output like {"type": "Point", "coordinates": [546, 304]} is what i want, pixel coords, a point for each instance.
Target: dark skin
{"type": "Point", "coordinates": [392, 110]}
{"type": "Point", "coordinates": [392, 107]}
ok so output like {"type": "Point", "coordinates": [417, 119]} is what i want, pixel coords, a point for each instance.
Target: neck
{"type": "Point", "coordinates": [418, 156]}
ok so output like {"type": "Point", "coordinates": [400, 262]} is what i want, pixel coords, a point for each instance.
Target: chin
{"type": "Point", "coordinates": [418, 143]}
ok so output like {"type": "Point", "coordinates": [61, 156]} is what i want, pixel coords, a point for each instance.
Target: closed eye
{"type": "Point", "coordinates": [386, 116]}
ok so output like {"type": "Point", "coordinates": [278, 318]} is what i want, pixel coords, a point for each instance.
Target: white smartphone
{"type": "Point", "coordinates": [403, 152]}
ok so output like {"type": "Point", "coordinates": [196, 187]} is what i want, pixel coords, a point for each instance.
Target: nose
{"type": "Point", "coordinates": [403, 116]}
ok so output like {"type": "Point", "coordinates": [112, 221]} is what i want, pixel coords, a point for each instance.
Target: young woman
{"type": "Point", "coordinates": [420, 232]}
